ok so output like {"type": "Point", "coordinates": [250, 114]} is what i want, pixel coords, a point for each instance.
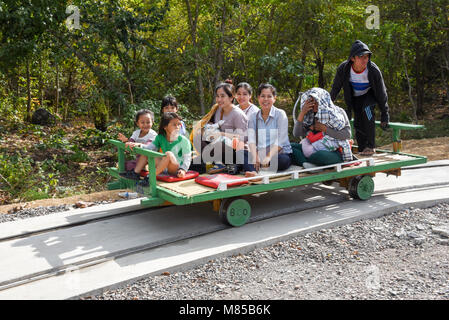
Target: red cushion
{"type": "Point", "coordinates": [170, 178]}
{"type": "Point", "coordinates": [352, 164]}
{"type": "Point", "coordinates": [312, 137]}
{"type": "Point", "coordinates": [214, 180]}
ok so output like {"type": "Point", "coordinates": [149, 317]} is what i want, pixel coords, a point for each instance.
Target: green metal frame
{"type": "Point", "coordinates": [127, 183]}
{"type": "Point", "coordinates": [396, 134]}
{"type": "Point", "coordinates": [158, 195]}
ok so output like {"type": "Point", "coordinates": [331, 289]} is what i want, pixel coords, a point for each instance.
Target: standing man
{"type": "Point", "coordinates": [363, 87]}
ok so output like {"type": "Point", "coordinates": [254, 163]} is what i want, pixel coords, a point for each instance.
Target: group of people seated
{"type": "Point", "coordinates": [246, 137]}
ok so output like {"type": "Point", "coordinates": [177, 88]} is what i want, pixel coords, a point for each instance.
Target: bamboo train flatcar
{"type": "Point", "coordinates": [226, 197]}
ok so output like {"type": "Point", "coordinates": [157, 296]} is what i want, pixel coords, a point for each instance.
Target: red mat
{"type": "Point", "coordinates": [214, 180]}
{"type": "Point", "coordinates": [170, 178]}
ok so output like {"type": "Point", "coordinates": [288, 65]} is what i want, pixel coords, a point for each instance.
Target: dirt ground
{"type": "Point", "coordinates": [434, 149]}
{"type": "Point", "coordinates": [87, 199]}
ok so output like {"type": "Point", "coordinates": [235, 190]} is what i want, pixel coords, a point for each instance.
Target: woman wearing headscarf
{"type": "Point", "coordinates": [326, 129]}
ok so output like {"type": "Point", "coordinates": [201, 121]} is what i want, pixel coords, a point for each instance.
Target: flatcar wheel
{"type": "Point", "coordinates": [361, 187]}
{"type": "Point", "coordinates": [235, 211]}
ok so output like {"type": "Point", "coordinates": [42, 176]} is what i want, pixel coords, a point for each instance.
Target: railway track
{"type": "Point", "coordinates": [54, 251]}
{"type": "Point", "coordinates": [253, 219]}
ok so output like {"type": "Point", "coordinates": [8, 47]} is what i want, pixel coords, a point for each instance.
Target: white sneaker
{"type": "Point", "coordinates": [308, 165]}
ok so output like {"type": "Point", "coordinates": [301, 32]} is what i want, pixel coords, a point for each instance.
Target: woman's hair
{"type": "Point", "coordinates": [266, 86]}
{"type": "Point", "coordinates": [245, 86]}
{"type": "Point", "coordinates": [168, 101]}
{"type": "Point", "coordinates": [141, 112]}
{"type": "Point", "coordinates": [165, 120]}
{"type": "Point", "coordinates": [227, 87]}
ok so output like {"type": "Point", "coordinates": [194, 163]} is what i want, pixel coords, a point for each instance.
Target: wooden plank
{"type": "Point", "coordinates": [186, 188]}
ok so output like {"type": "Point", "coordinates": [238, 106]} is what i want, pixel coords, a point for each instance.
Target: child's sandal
{"type": "Point", "coordinates": [130, 175]}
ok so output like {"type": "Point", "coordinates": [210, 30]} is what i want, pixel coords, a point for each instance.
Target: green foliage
{"type": "Point", "coordinates": [127, 55]}
{"type": "Point", "coordinates": [131, 52]}
{"type": "Point", "coordinates": [99, 113]}
{"type": "Point", "coordinates": [129, 116]}
{"type": "Point", "coordinates": [78, 155]}
{"type": "Point", "coordinates": [404, 117]}
{"type": "Point", "coordinates": [8, 109]}
{"type": "Point", "coordinates": [56, 140]}
{"type": "Point", "coordinates": [94, 138]}
{"type": "Point", "coordinates": [23, 25]}
{"type": "Point", "coordinates": [23, 179]}
{"type": "Point", "coordinates": [285, 70]}
{"type": "Point", "coordinates": [44, 169]}
{"type": "Point", "coordinates": [116, 44]}
{"type": "Point", "coordinates": [15, 170]}
{"type": "Point", "coordinates": [53, 165]}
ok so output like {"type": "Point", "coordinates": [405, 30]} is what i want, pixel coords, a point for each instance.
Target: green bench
{"type": "Point", "coordinates": [121, 183]}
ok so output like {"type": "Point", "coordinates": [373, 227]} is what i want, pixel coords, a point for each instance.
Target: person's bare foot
{"type": "Point", "coordinates": [250, 174]}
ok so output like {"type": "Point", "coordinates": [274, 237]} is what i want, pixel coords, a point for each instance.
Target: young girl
{"type": "Point", "coordinates": [176, 147]}
{"type": "Point", "coordinates": [144, 135]}
{"type": "Point", "coordinates": [169, 104]}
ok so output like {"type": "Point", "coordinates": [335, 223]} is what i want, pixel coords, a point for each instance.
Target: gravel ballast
{"type": "Point", "coordinates": [26, 213]}
{"type": "Point", "coordinates": [403, 255]}
{"type": "Point", "coordinates": [33, 212]}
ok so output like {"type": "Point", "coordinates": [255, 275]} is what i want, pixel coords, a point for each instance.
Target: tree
{"type": "Point", "coordinates": [22, 28]}
{"type": "Point", "coordinates": [193, 11]}
{"type": "Point", "coordinates": [416, 38]}
{"type": "Point", "coordinates": [118, 34]}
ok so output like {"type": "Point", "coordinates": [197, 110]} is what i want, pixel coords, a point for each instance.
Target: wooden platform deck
{"type": "Point", "coordinates": [190, 188]}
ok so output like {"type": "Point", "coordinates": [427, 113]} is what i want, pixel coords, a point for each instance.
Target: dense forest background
{"type": "Point", "coordinates": [92, 64]}
{"type": "Point", "coordinates": [106, 58]}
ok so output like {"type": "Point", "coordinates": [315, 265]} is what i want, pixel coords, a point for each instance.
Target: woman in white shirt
{"type": "Point", "coordinates": [268, 135]}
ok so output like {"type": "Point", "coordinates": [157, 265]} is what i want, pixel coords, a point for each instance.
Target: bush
{"type": "Point", "coordinates": [78, 155]}
{"type": "Point", "coordinates": [9, 110]}
{"type": "Point", "coordinates": [95, 138]}
{"type": "Point", "coordinates": [100, 115]}
{"type": "Point", "coordinates": [16, 173]}
{"type": "Point", "coordinates": [129, 116]}
{"type": "Point", "coordinates": [154, 106]}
